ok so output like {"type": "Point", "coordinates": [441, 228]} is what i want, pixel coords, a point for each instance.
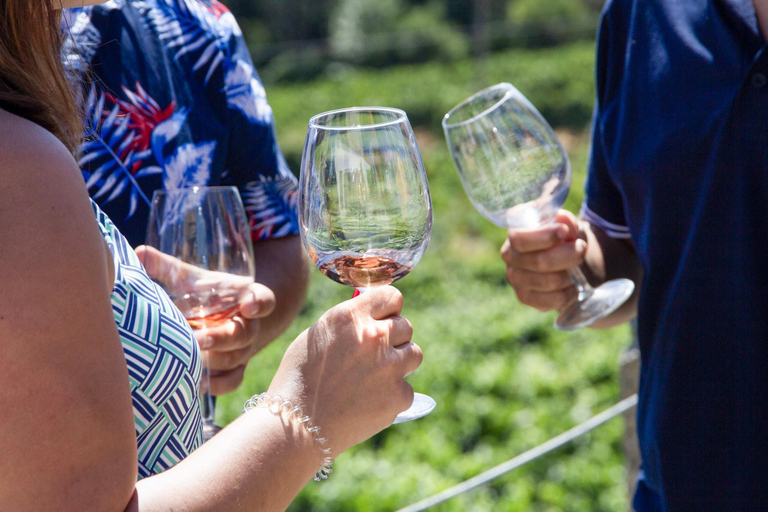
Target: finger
{"type": "Point", "coordinates": [547, 301]}
{"type": "Point", "coordinates": [409, 357]}
{"type": "Point", "coordinates": [538, 281]}
{"type": "Point", "coordinates": [234, 334]}
{"type": "Point", "coordinates": [571, 222]}
{"type": "Point", "coordinates": [163, 267]}
{"type": "Point", "coordinates": [226, 361]}
{"type": "Point", "coordinates": [524, 241]}
{"type": "Point", "coordinates": [561, 257]}
{"type": "Point", "coordinates": [226, 382]}
{"type": "Point", "coordinates": [381, 302]}
{"type": "Point", "coordinates": [404, 394]}
{"type": "Point", "coordinates": [400, 330]}
{"type": "Point", "coordinates": [506, 252]}
{"type": "Point", "coordinates": [258, 302]}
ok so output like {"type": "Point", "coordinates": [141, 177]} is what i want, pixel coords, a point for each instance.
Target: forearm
{"type": "Point", "coordinates": [259, 462]}
{"type": "Point", "coordinates": [282, 266]}
{"type": "Point", "coordinates": [611, 258]}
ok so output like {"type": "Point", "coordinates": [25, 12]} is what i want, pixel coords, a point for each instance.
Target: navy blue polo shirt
{"type": "Point", "coordinates": [679, 164]}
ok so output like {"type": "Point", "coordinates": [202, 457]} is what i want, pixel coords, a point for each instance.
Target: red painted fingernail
{"type": "Point", "coordinates": [357, 292]}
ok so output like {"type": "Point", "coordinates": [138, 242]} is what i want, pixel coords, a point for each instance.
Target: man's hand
{"type": "Point", "coordinates": [538, 259]}
{"type": "Point", "coordinates": [231, 345]}
{"type": "Point", "coordinates": [233, 342]}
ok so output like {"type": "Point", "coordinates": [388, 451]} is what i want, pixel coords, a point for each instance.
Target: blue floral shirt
{"type": "Point", "coordinates": [171, 99]}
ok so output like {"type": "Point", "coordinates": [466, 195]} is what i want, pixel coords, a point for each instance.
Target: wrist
{"type": "Point", "coordinates": [293, 416]}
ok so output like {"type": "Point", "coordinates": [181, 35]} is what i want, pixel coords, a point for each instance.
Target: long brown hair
{"type": "Point", "coordinates": [33, 83]}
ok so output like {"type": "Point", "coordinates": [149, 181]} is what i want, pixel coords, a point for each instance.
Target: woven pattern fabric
{"type": "Point", "coordinates": [163, 359]}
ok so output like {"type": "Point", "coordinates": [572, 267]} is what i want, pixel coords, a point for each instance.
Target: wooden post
{"type": "Point", "coordinates": [629, 376]}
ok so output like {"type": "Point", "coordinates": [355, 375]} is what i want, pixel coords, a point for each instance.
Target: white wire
{"type": "Point", "coordinates": [524, 458]}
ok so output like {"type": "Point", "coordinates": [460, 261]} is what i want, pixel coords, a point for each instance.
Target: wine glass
{"type": "Point", "coordinates": [206, 263]}
{"type": "Point", "coordinates": [517, 175]}
{"type": "Point", "coordinates": [365, 210]}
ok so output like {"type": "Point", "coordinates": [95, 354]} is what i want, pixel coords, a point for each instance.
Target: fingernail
{"type": "Point", "coordinates": [252, 308]}
{"type": "Point", "coordinates": [236, 322]}
{"type": "Point", "coordinates": [581, 246]}
{"type": "Point", "coordinates": [562, 232]}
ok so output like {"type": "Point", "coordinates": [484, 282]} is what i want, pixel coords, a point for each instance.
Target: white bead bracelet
{"type": "Point", "coordinates": [277, 405]}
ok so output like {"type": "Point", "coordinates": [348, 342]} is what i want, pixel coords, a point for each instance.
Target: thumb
{"type": "Point", "coordinates": [572, 224]}
{"type": "Point", "coordinates": [258, 302]}
{"type": "Point", "coordinates": [161, 266]}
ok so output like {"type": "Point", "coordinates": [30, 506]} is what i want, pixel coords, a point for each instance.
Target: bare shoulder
{"type": "Point", "coordinates": [27, 149]}
{"type": "Point", "coordinates": [43, 196]}
{"type": "Point", "coordinates": [58, 336]}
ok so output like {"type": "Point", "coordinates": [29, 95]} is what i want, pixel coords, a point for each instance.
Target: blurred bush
{"type": "Point", "coordinates": [538, 23]}
{"type": "Point", "coordinates": [381, 33]}
{"type": "Point", "coordinates": [300, 41]}
{"type": "Point", "coordinates": [559, 81]}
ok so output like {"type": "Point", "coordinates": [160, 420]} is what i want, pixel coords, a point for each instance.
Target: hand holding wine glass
{"type": "Point", "coordinates": [347, 369]}
{"type": "Point", "coordinates": [365, 209]}
{"type": "Point", "coordinates": [231, 341]}
{"type": "Point", "coordinates": [199, 251]}
{"type": "Point", "coordinates": [517, 174]}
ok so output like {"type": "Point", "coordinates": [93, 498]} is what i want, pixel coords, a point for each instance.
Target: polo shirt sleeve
{"type": "Point", "coordinates": [254, 161]}
{"type": "Point", "coordinates": [603, 204]}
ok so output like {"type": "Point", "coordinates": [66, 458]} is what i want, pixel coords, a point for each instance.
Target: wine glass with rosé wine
{"type": "Point", "coordinates": [365, 212]}
{"type": "Point", "coordinates": [206, 265]}
{"type": "Point", "coordinates": [517, 175]}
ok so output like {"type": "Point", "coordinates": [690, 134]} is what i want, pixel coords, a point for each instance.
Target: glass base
{"type": "Point", "coordinates": [603, 301]}
{"type": "Point", "coordinates": [421, 406]}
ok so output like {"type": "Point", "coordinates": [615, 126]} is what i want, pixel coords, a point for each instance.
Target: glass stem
{"type": "Point", "coordinates": [207, 402]}
{"type": "Point", "coordinates": [580, 282]}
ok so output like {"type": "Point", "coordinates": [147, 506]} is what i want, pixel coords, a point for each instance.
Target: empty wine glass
{"type": "Point", "coordinates": [365, 209]}
{"type": "Point", "coordinates": [201, 253]}
{"type": "Point", "coordinates": [517, 175]}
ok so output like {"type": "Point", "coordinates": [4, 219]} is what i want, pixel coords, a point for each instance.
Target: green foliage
{"type": "Point", "coordinates": [300, 64]}
{"type": "Point", "coordinates": [380, 33]}
{"type": "Point", "coordinates": [299, 41]}
{"type": "Point", "coordinates": [557, 11]}
{"type": "Point", "coordinates": [555, 21]}
{"type": "Point", "coordinates": [355, 21]}
{"type": "Point", "coordinates": [427, 36]}
{"type": "Point", "coordinates": [459, 11]}
{"type": "Point", "coordinates": [558, 81]}
{"type": "Point", "coordinates": [290, 21]}
{"type": "Point", "coordinates": [504, 379]}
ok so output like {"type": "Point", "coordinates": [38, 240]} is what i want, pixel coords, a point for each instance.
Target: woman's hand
{"type": "Point", "coordinates": [538, 259]}
{"type": "Point", "coordinates": [347, 370]}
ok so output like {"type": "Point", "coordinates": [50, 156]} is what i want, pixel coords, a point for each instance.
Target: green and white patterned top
{"type": "Point", "coordinates": [163, 359]}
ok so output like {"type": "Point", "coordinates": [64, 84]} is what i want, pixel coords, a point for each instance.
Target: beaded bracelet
{"type": "Point", "coordinates": [277, 405]}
